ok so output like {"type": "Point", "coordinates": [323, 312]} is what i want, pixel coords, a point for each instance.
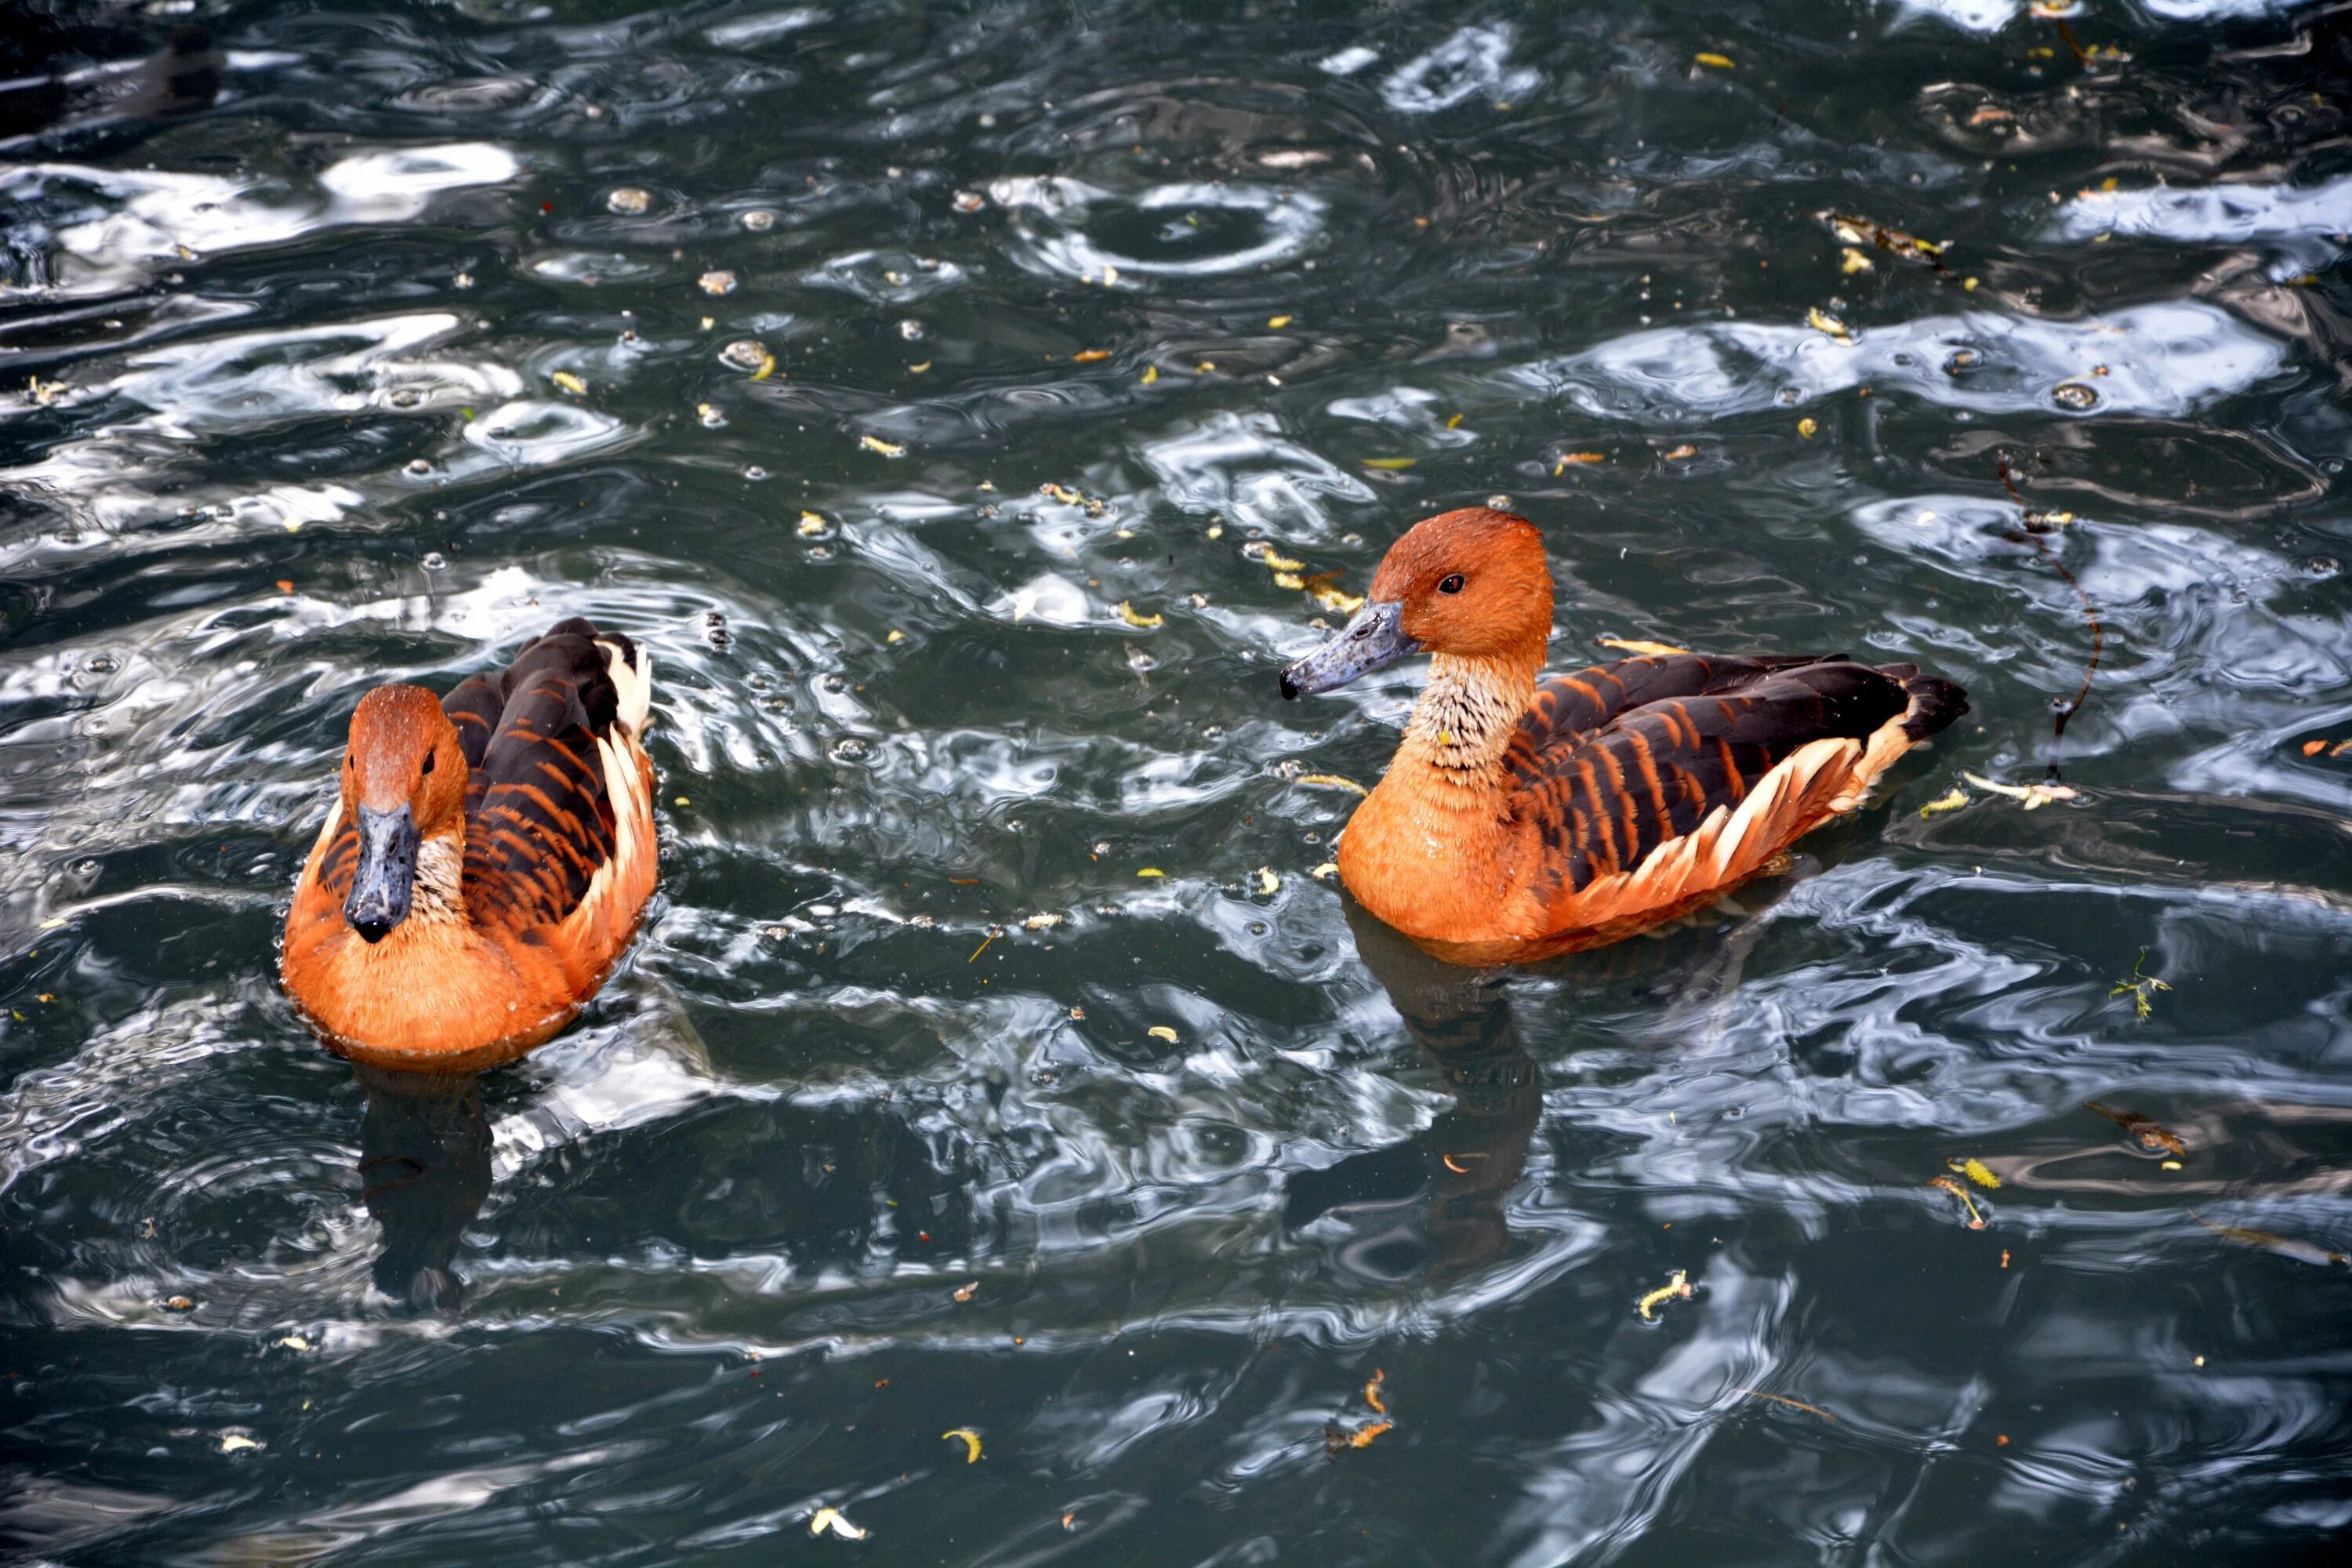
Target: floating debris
{"type": "Point", "coordinates": [2140, 986]}
{"type": "Point", "coordinates": [2270, 1241]}
{"type": "Point", "coordinates": [970, 201]}
{"type": "Point", "coordinates": [1678, 1288]}
{"type": "Point", "coordinates": [833, 1519]}
{"type": "Point", "coordinates": [1276, 323]}
{"type": "Point", "coordinates": [2075, 397]}
{"type": "Point", "coordinates": [1332, 781]}
{"type": "Point", "coordinates": [1682, 452]}
{"type": "Point", "coordinates": [887, 448]}
{"type": "Point", "coordinates": [1807, 428]}
{"type": "Point", "coordinates": [1337, 1440]}
{"type": "Point", "coordinates": [1373, 1392]}
{"type": "Point", "coordinates": [759, 220]}
{"type": "Point", "coordinates": [1975, 1170]}
{"type": "Point", "coordinates": [971, 1438]}
{"type": "Point", "coordinates": [1975, 1217]}
{"type": "Point", "coordinates": [1390, 463]}
{"type": "Point", "coordinates": [751, 355]}
{"type": "Point", "coordinates": [629, 199]}
{"type": "Point", "coordinates": [1851, 261]}
{"type": "Point", "coordinates": [1944, 803]}
{"type": "Point", "coordinates": [1268, 884]}
{"type": "Point", "coordinates": [812, 524]}
{"type": "Point", "coordinates": [1152, 871]}
{"type": "Point", "coordinates": [1134, 617]}
{"type": "Point", "coordinates": [1161, 1032]}
{"type": "Point", "coordinates": [1784, 1399]}
{"type": "Point", "coordinates": [295, 1343]}
{"type": "Point", "coordinates": [1642, 647]}
{"type": "Point", "coordinates": [1720, 62]}
{"type": "Point", "coordinates": [709, 413]}
{"type": "Point", "coordinates": [1336, 600]}
{"type": "Point", "coordinates": [1326, 871]}
{"type": "Point", "coordinates": [1820, 320]}
{"type": "Point", "coordinates": [2033, 797]}
{"type": "Point", "coordinates": [1860, 231]}
{"type": "Point", "coordinates": [2155, 1139]}
{"type": "Point", "coordinates": [570, 383]}
{"type": "Point", "coordinates": [1579, 459]}
{"type": "Point", "coordinates": [716, 282]}
{"type": "Point", "coordinates": [235, 1442]}
{"type": "Point", "coordinates": [1088, 356]}
{"type": "Point", "coordinates": [44, 393]}
{"type": "Point", "coordinates": [1042, 922]}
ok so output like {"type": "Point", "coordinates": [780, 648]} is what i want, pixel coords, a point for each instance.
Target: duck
{"type": "Point", "coordinates": [485, 860]}
{"type": "Point", "coordinates": [1523, 817]}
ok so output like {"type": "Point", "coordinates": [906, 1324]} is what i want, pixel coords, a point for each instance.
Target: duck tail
{"type": "Point", "coordinates": [1936, 703]}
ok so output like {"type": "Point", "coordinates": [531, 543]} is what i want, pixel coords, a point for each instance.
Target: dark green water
{"type": "Point", "coordinates": [857, 1148]}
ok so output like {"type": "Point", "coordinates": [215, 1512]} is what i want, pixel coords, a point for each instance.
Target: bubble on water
{"type": "Point", "coordinates": [418, 468]}
{"type": "Point", "coordinates": [759, 220]}
{"type": "Point", "coordinates": [2074, 397]}
{"type": "Point", "coordinates": [103, 664]}
{"type": "Point", "coordinates": [910, 329]}
{"type": "Point", "coordinates": [1962, 359]}
{"type": "Point", "coordinates": [1192, 230]}
{"type": "Point", "coordinates": [755, 473]}
{"type": "Point", "coordinates": [745, 353]}
{"type": "Point", "coordinates": [850, 749]}
{"type": "Point", "coordinates": [2320, 566]}
{"type": "Point", "coordinates": [433, 560]}
{"type": "Point", "coordinates": [403, 397]}
{"type": "Point", "coordinates": [629, 199]}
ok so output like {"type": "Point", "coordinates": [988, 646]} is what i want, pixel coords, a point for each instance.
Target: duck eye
{"type": "Point", "coordinates": [428, 762]}
{"type": "Point", "coordinates": [1451, 584]}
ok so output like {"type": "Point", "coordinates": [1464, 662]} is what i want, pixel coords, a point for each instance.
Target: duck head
{"type": "Point", "coordinates": [1473, 584]}
{"type": "Point", "coordinates": [403, 783]}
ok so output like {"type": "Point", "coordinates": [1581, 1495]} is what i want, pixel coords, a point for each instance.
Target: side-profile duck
{"type": "Point", "coordinates": [485, 860]}
{"type": "Point", "coordinates": [1522, 818]}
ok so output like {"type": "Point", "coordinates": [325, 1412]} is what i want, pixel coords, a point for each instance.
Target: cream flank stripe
{"type": "Point", "coordinates": [619, 885]}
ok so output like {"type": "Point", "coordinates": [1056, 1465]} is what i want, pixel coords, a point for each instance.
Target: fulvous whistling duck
{"type": "Point", "coordinates": [485, 860]}
{"type": "Point", "coordinates": [1521, 819]}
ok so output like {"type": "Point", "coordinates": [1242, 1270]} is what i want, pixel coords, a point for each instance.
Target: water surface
{"type": "Point", "coordinates": [941, 392]}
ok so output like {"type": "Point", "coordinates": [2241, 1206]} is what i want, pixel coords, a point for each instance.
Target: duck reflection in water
{"type": "Point", "coordinates": [425, 1173]}
{"type": "Point", "coordinates": [1432, 1207]}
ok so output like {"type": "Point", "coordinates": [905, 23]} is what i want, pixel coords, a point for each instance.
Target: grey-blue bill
{"type": "Point", "coordinates": [1372, 639]}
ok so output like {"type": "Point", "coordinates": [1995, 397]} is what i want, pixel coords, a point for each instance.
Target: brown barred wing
{"type": "Point", "coordinates": [1602, 802]}
{"type": "Point", "coordinates": [1584, 699]}
{"type": "Point", "coordinates": [543, 825]}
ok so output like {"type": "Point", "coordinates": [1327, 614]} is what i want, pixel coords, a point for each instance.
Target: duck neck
{"type": "Point", "coordinates": [438, 897]}
{"type": "Point", "coordinates": [1454, 744]}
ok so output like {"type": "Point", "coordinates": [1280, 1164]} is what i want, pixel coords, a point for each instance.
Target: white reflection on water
{"type": "Point", "coordinates": [2308, 223]}
{"type": "Point", "coordinates": [2168, 358]}
{"type": "Point", "coordinates": [159, 217]}
{"type": "Point", "coordinates": [1050, 212]}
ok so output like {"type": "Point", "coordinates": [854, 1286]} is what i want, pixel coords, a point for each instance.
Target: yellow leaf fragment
{"type": "Point", "coordinates": [1682, 453]}
{"type": "Point", "coordinates": [1150, 374]}
{"type": "Point", "coordinates": [1290, 580]}
{"type": "Point", "coordinates": [1390, 463]}
{"type": "Point", "coordinates": [1976, 1171]}
{"type": "Point", "coordinates": [1268, 884]}
{"type": "Point", "coordinates": [1679, 1286]}
{"type": "Point", "coordinates": [887, 448]}
{"type": "Point", "coordinates": [1336, 600]}
{"type": "Point", "coordinates": [1151, 871]}
{"type": "Point", "coordinates": [1941, 804]}
{"type": "Point", "coordinates": [237, 1443]}
{"type": "Point", "coordinates": [971, 1441]}
{"type": "Point", "coordinates": [1277, 322]}
{"type": "Point", "coordinates": [1851, 261]}
{"type": "Point", "coordinates": [1088, 356]}
{"type": "Point", "coordinates": [833, 1519]}
{"type": "Point", "coordinates": [2031, 798]}
{"type": "Point", "coordinates": [1265, 556]}
{"type": "Point", "coordinates": [1373, 1392]}
{"type": "Point", "coordinates": [1820, 320]}
{"type": "Point", "coordinates": [1333, 781]}
{"type": "Point", "coordinates": [1640, 645]}
{"type": "Point", "coordinates": [1581, 459]}
{"type": "Point", "coordinates": [767, 367]}
{"type": "Point", "coordinates": [1807, 428]}
{"type": "Point", "coordinates": [895, 636]}
{"type": "Point", "coordinates": [1720, 62]}
{"type": "Point", "coordinates": [1161, 1032]}
{"type": "Point", "coordinates": [918, 368]}
{"type": "Point", "coordinates": [1326, 871]}
{"type": "Point", "coordinates": [571, 382]}
{"type": "Point", "coordinates": [812, 524]}
{"type": "Point", "coordinates": [1135, 618]}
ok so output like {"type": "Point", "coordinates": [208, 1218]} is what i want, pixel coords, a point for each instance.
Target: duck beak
{"type": "Point", "coordinates": [1373, 639]}
{"type": "Point", "coordinates": [386, 874]}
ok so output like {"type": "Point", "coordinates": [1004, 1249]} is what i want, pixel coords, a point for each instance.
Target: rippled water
{"type": "Point", "coordinates": [348, 345]}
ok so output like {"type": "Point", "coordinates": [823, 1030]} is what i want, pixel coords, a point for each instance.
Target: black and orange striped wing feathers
{"type": "Point", "coordinates": [540, 821]}
{"type": "Point", "coordinates": [1674, 739]}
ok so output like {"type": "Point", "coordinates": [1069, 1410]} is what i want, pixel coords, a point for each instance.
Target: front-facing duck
{"type": "Point", "coordinates": [485, 860]}
{"type": "Point", "coordinates": [1522, 818]}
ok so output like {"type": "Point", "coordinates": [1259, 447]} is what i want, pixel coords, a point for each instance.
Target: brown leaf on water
{"type": "Point", "coordinates": [1784, 1399]}
{"type": "Point", "coordinates": [1682, 452]}
{"type": "Point", "coordinates": [1852, 231]}
{"type": "Point", "coordinates": [1088, 356]}
{"type": "Point", "coordinates": [2270, 1241]}
{"type": "Point", "coordinates": [1372, 1391]}
{"type": "Point", "coordinates": [2154, 1139]}
{"type": "Point", "coordinates": [964, 1292]}
{"type": "Point", "coordinates": [2313, 748]}
{"type": "Point", "coordinates": [1640, 645]}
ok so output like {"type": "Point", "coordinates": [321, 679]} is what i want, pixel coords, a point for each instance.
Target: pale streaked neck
{"type": "Point", "coordinates": [1463, 721]}
{"type": "Point", "coordinates": [438, 897]}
